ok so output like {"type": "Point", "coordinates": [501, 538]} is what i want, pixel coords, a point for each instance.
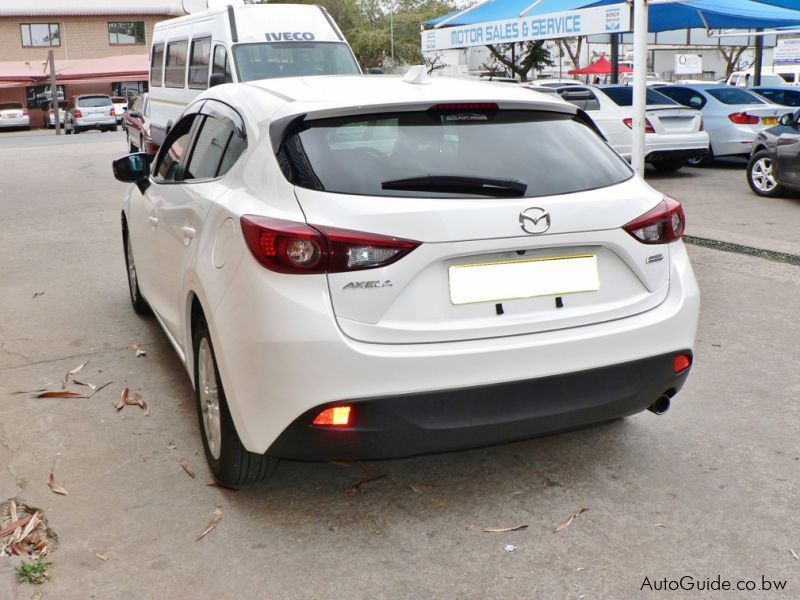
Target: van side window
{"type": "Point", "coordinates": [198, 65]}
{"type": "Point", "coordinates": [217, 148]}
{"type": "Point", "coordinates": [157, 65]}
{"type": "Point", "coordinates": [176, 64]}
{"type": "Point", "coordinates": [221, 64]}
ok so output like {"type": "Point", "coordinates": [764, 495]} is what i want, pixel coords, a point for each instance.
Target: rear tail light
{"type": "Point", "coordinates": [77, 114]}
{"type": "Point", "coordinates": [113, 112]}
{"type": "Point", "coordinates": [664, 224]}
{"type": "Point", "coordinates": [335, 416]}
{"type": "Point", "coordinates": [648, 126]}
{"type": "Point", "coordinates": [742, 118]}
{"type": "Point", "coordinates": [295, 248]}
{"type": "Point", "coordinates": [681, 362]}
{"type": "Point", "coordinates": [702, 125]}
{"type": "Point", "coordinates": [24, 112]}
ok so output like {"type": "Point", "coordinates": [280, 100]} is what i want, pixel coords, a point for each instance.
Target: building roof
{"type": "Point", "coordinates": [31, 8]}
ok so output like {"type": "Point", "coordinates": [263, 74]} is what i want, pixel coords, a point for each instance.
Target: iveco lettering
{"type": "Point", "coordinates": [355, 267]}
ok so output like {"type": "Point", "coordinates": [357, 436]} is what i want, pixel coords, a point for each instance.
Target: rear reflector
{"type": "Point", "coordinates": [336, 416]}
{"type": "Point", "coordinates": [681, 362]}
{"type": "Point", "coordinates": [662, 225]}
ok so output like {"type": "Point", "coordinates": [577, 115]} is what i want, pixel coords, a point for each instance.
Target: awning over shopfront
{"type": "Point", "coordinates": [132, 67]}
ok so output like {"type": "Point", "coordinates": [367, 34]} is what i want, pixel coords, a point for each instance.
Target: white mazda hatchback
{"type": "Point", "coordinates": [372, 267]}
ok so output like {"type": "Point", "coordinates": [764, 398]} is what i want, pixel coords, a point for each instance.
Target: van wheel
{"type": "Point", "coordinates": [231, 464]}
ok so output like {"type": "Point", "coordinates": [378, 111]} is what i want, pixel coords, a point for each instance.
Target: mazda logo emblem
{"type": "Point", "coordinates": [534, 220]}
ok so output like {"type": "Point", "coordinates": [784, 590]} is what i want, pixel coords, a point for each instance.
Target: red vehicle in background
{"type": "Point", "coordinates": [136, 122]}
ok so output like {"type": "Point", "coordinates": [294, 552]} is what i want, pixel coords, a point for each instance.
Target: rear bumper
{"type": "Point", "coordinates": [87, 124]}
{"type": "Point", "coordinates": [455, 419]}
{"type": "Point", "coordinates": [676, 154]}
{"type": "Point", "coordinates": [16, 122]}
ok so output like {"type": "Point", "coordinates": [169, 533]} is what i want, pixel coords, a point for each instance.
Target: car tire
{"type": "Point", "coordinates": [667, 165]}
{"type": "Point", "coordinates": [75, 129]}
{"type": "Point", "coordinates": [703, 161]}
{"type": "Point", "coordinates": [760, 176]}
{"type": "Point", "coordinates": [140, 305]}
{"type": "Point", "coordinates": [114, 128]}
{"type": "Point", "coordinates": [230, 463]}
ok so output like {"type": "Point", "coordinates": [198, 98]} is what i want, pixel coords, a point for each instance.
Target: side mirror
{"type": "Point", "coordinates": [788, 120]}
{"type": "Point", "coordinates": [133, 168]}
{"type": "Point", "coordinates": [216, 79]}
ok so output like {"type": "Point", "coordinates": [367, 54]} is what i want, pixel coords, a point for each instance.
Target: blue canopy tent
{"type": "Point", "coordinates": [503, 21]}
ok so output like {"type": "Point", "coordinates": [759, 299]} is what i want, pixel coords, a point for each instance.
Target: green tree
{"type": "Point", "coordinates": [526, 56]}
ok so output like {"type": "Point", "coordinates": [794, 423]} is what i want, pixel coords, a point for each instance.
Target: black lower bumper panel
{"type": "Point", "coordinates": [440, 421]}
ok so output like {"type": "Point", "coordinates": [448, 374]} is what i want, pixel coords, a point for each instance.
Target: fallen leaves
{"type": "Point", "coordinates": [796, 557]}
{"type": "Point", "coordinates": [37, 294]}
{"type": "Point", "coordinates": [139, 351]}
{"type": "Point", "coordinates": [61, 394]}
{"type": "Point", "coordinates": [136, 399]}
{"type": "Point", "coordinates": [211, 524]}
{"type": "Point", "coordinates": [103, 557]}
{"type": "Point", "coordinates": [54, 487]}
{"type": "Point", "coordinates": [187, 468]}
{"type": "Point", "coordinates": [26, 534]}
{"type": "Point", "coordinates": [569, 521]}
{"type": "Point", "coordinates": [72, 373]}
{"type": "Point", "coordinates": [505, 529]}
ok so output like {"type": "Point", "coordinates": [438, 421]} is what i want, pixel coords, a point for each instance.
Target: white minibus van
{"type": "Point", "coordinates": [239, 43]}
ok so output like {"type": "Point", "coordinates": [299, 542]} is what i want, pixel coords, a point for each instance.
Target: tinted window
{"type": "Point", "coordinates": [198, 67]}
{"type": "Point", "coordinates": [581, 97]}
{"type": "Point", "coordinates": [176, 64]}
{"type": "Point", "coordinates": [293, 59]}
{"type": "Point", "coordinates": [550, 153]}
{"type": "Point", "coordinates": [785, 97]}
{"type": "Point", "coordinates": [623, 96]}
{"type": "Point", "coordinates": [93, 101]}
{"type": "Point", "coordinates": [221, 64]}
{"type": "Point", "coordinates": [213, 150]}
{"type": "Point", "coordinates": [729, 95]}
{"type": "Point", "coordinates": [174, 153]}
{"type": "Point", "coordinates": [157, 65]}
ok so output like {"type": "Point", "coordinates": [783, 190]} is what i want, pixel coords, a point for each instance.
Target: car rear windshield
{"type": "Point", "coordinates": [731, 95]}
{"type": "Point", "coordinates": [118, 99]}
{"type": "Point", "coordinates": [530, 153]}
{"type": "Point", "coordinates": [293, 59]}
{"type": "Point", "coordinates": [623, 96]}
{"type": "Point", "coordinates": [10, 106]}
{"type": "Point", "coordinates": [92, 101]}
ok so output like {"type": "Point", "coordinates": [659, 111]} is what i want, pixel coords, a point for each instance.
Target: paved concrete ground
{"type": "Point", "coordinates": [709, 489]}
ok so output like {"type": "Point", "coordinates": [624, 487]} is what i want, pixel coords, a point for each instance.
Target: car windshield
{"type": "Point", "coordinates": [93, 101]}
{"type": "Point", "coordinates": [293, 59]}
{"type": "Point", "coordinates": [10, 106]}
{"type": "Point", "coordinates": [451, 153]}
{"type": "Point", "coordinates": [622, 95]}
{"type": "Point", "coordinates": [731, 95]}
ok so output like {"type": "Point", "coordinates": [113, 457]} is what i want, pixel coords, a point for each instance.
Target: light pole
{"type": "Point", "coordinates": [391, 30]}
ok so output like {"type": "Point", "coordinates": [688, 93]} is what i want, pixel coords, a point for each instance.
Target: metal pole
{"type": "Point", "coordinates": [639, 84]}
{"type": "Point", "coordinates": [759, 58]}
{"type": "Point", "coordinates": [54, 90]}
{"type": "Point", "coordinates": [614, 58]}
{"type": "Point", "coordinates": [391, 31]}
{"type": "Point", "coordinates": [513, 60]}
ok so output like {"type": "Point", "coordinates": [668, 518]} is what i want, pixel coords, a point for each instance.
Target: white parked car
{"type": "Point", "coordinates": [673, 133]}
{"type": "Point", "coordinates": [369, 267]}
{"type": "Point", "coordinates": [120, 106]}
{"type": "Point", "coordinates": [13, 114]}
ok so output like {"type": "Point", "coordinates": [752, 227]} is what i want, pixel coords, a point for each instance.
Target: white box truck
{"type": "Point", "coordinates": [239, 43]}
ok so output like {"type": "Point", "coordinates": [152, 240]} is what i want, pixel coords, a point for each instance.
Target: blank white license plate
{"type": "Point", "coordinates": [527, 278]}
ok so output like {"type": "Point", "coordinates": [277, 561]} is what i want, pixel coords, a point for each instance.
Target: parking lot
{"type": "Point", "coordinates": [708, 490]}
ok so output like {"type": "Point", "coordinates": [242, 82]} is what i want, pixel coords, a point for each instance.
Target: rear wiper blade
{"type": "Point", "coordinates": [459, 184]}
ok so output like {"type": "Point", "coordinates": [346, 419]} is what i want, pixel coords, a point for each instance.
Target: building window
{"type": "Point", "coordinates": [40, 34]}
{"type": "Point", "coordinates": [126, 33]}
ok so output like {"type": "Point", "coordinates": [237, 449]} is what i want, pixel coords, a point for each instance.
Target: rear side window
{"type": "Point", "coordinates": [729, 95]}
{"type": "Point", "coordinates": [216, 149]}
{"type": "Point", "coordinates": [94, 101]}
{"type": "Point", "coordinates": [547, 153]}
{"type": "Point", "coordinates": [157, 65]}
{"type": "Point", "coordinates": [623, 96]}
{"type": "Point", "coordinates": [175, 75]}
{"type": "Point", "coordinates": [198, 66]}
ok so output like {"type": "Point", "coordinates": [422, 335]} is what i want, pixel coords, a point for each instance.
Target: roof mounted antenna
{"type": "Point", "coordinates": [418, 75]}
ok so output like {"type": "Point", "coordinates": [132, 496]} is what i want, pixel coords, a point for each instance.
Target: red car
{"type": "Point", "coordinates": [136, 122]}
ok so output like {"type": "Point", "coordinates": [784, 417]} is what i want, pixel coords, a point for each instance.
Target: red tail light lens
{"type": "Point", "coordinates": [291, 247]}
{"type": "Point", "coordinates": [336, 416]}
{"type": "Point", "coordinates": [648, 126]}
{"type": "Point", "coordinates": [24, 112]}
{"type": "Point", "coordinates": [662, 225]}
{"type": "Point", "coordinates": [742, 118]}
{"type": "Point", "coordinates": [77, 114]}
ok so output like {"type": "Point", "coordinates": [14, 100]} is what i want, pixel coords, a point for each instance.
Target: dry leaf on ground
{"type": "Point", "coordinates": [100, 387]}
{"type": "Point", "coordinates": [414, 488]}
{"type": "Point", "coordinates": [569, 521]}
{"type": "Point", "coordinates": [37, 294]}
{"type": "Point", "coordinates": [505, 529]}
{"type": "Point", "coordinates": [54, 487]}
{"type": "Point", "coordinates": [28, 391]}
{"type": "Point", "coordinates": [139, 351]}
{"type": "Point", "coordinates": [123, 399]}
{"type": "Point", "coordinates": [102, 557]}
{"type": "Point", "coordinates": [211, 524]}
{"type": "Point", "coordinates": [794, 554]}
{"type": "Point", "coordinates": [356, 487]}
{"type": "Point", "coordinates": [72, 373]}
{"type": "Point", "coordinates": [187, 468]}
{"type": "Point", "coordinates": [61, 394]}
{"type": "Point", "coordinates": [92, 386]}
{"type": "Point", "coordinates": [13, 526]}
